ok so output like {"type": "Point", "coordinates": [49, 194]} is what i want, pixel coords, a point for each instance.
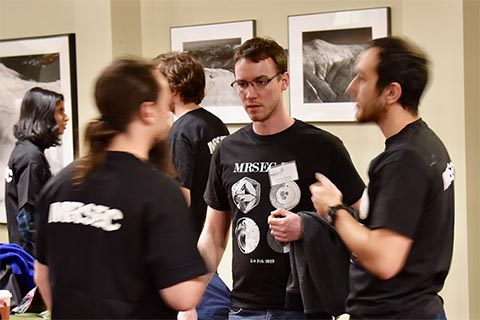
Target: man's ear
{"type": "Point", "coordinates": [393, 92]}
{"type": "Point", "coordinates": [285, 81]}
{"type": "Point", "coordinates": [147, 112]}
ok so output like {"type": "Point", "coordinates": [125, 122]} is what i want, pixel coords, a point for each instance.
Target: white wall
{"type": "Point", "coordinates": [436, 25]}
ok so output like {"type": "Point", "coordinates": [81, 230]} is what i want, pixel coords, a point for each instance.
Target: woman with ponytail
{"type": "Point", "coordinates": [108, 221]}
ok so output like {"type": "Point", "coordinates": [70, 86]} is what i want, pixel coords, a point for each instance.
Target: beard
{"type": "Point", "coordinates": [370, 112]}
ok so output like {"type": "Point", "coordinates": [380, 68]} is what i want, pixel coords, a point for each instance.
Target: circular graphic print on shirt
{"type": "Point", "coordinates": [285, 195]}
{"type": "Point", "coordinates": [246, 194]}
{"type": "Point", "coordinates": [277, 246]}
{"type": "Point", "coordinates": [248, 235]}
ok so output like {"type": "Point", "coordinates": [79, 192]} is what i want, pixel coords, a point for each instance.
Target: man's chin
{"type": "Point", "coordinates": [361, 117]}
{"type": "Point", "coordinates": [361, 120]}
{"type": "Point", "coordinates": [358, 115]}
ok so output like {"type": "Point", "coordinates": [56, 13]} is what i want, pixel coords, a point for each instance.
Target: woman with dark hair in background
{"type": "Point", "coordinates": [42, 122]}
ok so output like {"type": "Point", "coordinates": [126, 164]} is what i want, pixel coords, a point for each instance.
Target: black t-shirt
{"type": "Point", "coordinates": [193, 138]}
{"type": "Point", "coordinates": [410, 192]}
{"type": "Point", "coordinates": [27, 172]}
{"type": "Point", "coordinates": [239, 182]}
{"type": "Point", "coordinates": [114, 240]}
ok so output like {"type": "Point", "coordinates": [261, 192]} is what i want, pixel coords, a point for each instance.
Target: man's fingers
{"type": "Point", "coordinates": [279, 213]}
{"type": "Point", "coordinates": [323, 180]}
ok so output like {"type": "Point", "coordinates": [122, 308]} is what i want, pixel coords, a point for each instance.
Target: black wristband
{"type": "Point", "coordinates": [332, 212]}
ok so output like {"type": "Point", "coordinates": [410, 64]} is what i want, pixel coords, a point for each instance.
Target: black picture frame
{"type": "Point", "coordinates": [213, 45]}
{"type": "Point", "coordinates": [323, 48]}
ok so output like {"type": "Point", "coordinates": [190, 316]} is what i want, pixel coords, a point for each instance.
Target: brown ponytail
{"type": "Point", "coordinates": [119, 91]}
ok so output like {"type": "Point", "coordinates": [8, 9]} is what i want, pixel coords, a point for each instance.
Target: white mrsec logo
{"type": "Point", "coordinates": [212, 145]}
{"type": "Point", "coordinates": [94, 215]}
{"type": "Point", "coordinates": [252, 167]}
{"type": "Point", "coordinates": [8, 174]}
{"type": "Point", "coordinates": [448, 175]}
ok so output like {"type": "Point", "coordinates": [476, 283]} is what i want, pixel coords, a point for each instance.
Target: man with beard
{"type": "Point", "coordinates": [403, 247]}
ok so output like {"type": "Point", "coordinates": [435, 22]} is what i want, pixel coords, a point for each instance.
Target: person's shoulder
{"type": "Point", "coordinates": [205, 113]}
{"type": "Point", "coordinates": [28, 146]}
{"type": "Point", "coordinates": [203, 117]}
{"type": "Point", "coordinates": [135, 169]}
{"type": "Point", "coordinates": [240, 134]}
{"type": "Point", "coordinates": [147, 172]}
{"type": "Point", "coordinates": [63, 177]}
{"type": "Point", "coordinates": [416, 140]}
{"type": "Point", "coordinates": [308, 129]}
{"type": "Point", "coordinates": [166, 187]}
{"type": "Point", "coordinates": [27, 152]}
{"type": "Point", "coordinates": [194, 119]}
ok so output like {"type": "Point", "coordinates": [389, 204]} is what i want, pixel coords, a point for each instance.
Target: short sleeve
{"type": "Point", "coordinates": [345, 176]}
{"type": "Point", "coordinates": [30, 181]}
{"type": "Point", "coordinates": [399, 193]}
{"type": "Point", "coordinates": [184, 160]}
{"type": "Point", "coordinates": [171, 248]}
{"type": "Point", "coordinates": [215, 195]}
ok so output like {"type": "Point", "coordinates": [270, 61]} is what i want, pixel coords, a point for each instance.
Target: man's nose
{"type": "Point", "coordinates": [349, 91]}
{"type": "Point", "coordinates": [250, 91]}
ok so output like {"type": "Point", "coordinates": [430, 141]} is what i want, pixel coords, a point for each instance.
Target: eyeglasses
{"type": "Point", "coordinates": [257, 84]}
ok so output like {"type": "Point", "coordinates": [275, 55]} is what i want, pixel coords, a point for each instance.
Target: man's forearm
{"type": "Point", "coordinates": [381, 251]}
{"type": "Point", "coordinates": [214, 238]}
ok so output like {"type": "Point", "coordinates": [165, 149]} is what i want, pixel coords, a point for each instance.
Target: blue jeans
{"type": "Point", "coordinates": [215, 301]}
{"type": "Point", "coordinates": [268, 314]}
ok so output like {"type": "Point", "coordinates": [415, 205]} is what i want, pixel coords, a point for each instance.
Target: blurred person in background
{"type": "Point", "coordinates": [193, 138]}
{"type": "Point", "coordinates": [109, 220]}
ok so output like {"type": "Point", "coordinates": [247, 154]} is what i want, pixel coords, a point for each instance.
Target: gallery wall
{"type": "Point", "coordinates": [472, 133]}
{"type": "Point", "coordinates": [436, 25]}
{"type": "Point", "coordinates": [109, 28]}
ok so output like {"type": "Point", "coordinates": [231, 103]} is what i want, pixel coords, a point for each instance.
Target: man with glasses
{"type": "Point", "coordinates": [256, 175]}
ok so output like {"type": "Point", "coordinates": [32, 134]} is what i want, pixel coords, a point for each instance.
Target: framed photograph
{"type": "Point", "coordinates": [213, 45]}
{"type": "Point", "coordinates": [323, 50]}
{"type": "Point", "coordinates": [47, 62]}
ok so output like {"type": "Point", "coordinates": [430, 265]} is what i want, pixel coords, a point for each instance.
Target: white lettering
{"type": "Point", "coordinates": [448, 175]}
{"type": "Point", "coordinates": [212, 145]}
{"type": "Point", "coordinates": [253, 167]}
{"type": "Point", "coordinates": [97, 216]}
{"type": "Point", "coordinates": [8, 174]}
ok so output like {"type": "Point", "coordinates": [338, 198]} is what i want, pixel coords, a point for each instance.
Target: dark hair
{"type": "Point", "coordinates": [120, 89]}
{"type": "Point", "coordinates": [257, 49]}
{"type": "Point", "coordinates": [401, 61]}
{"type": "Point", "coordinates": [37, 118]}
{"type": "Point", "coordinates": [185, 75]}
